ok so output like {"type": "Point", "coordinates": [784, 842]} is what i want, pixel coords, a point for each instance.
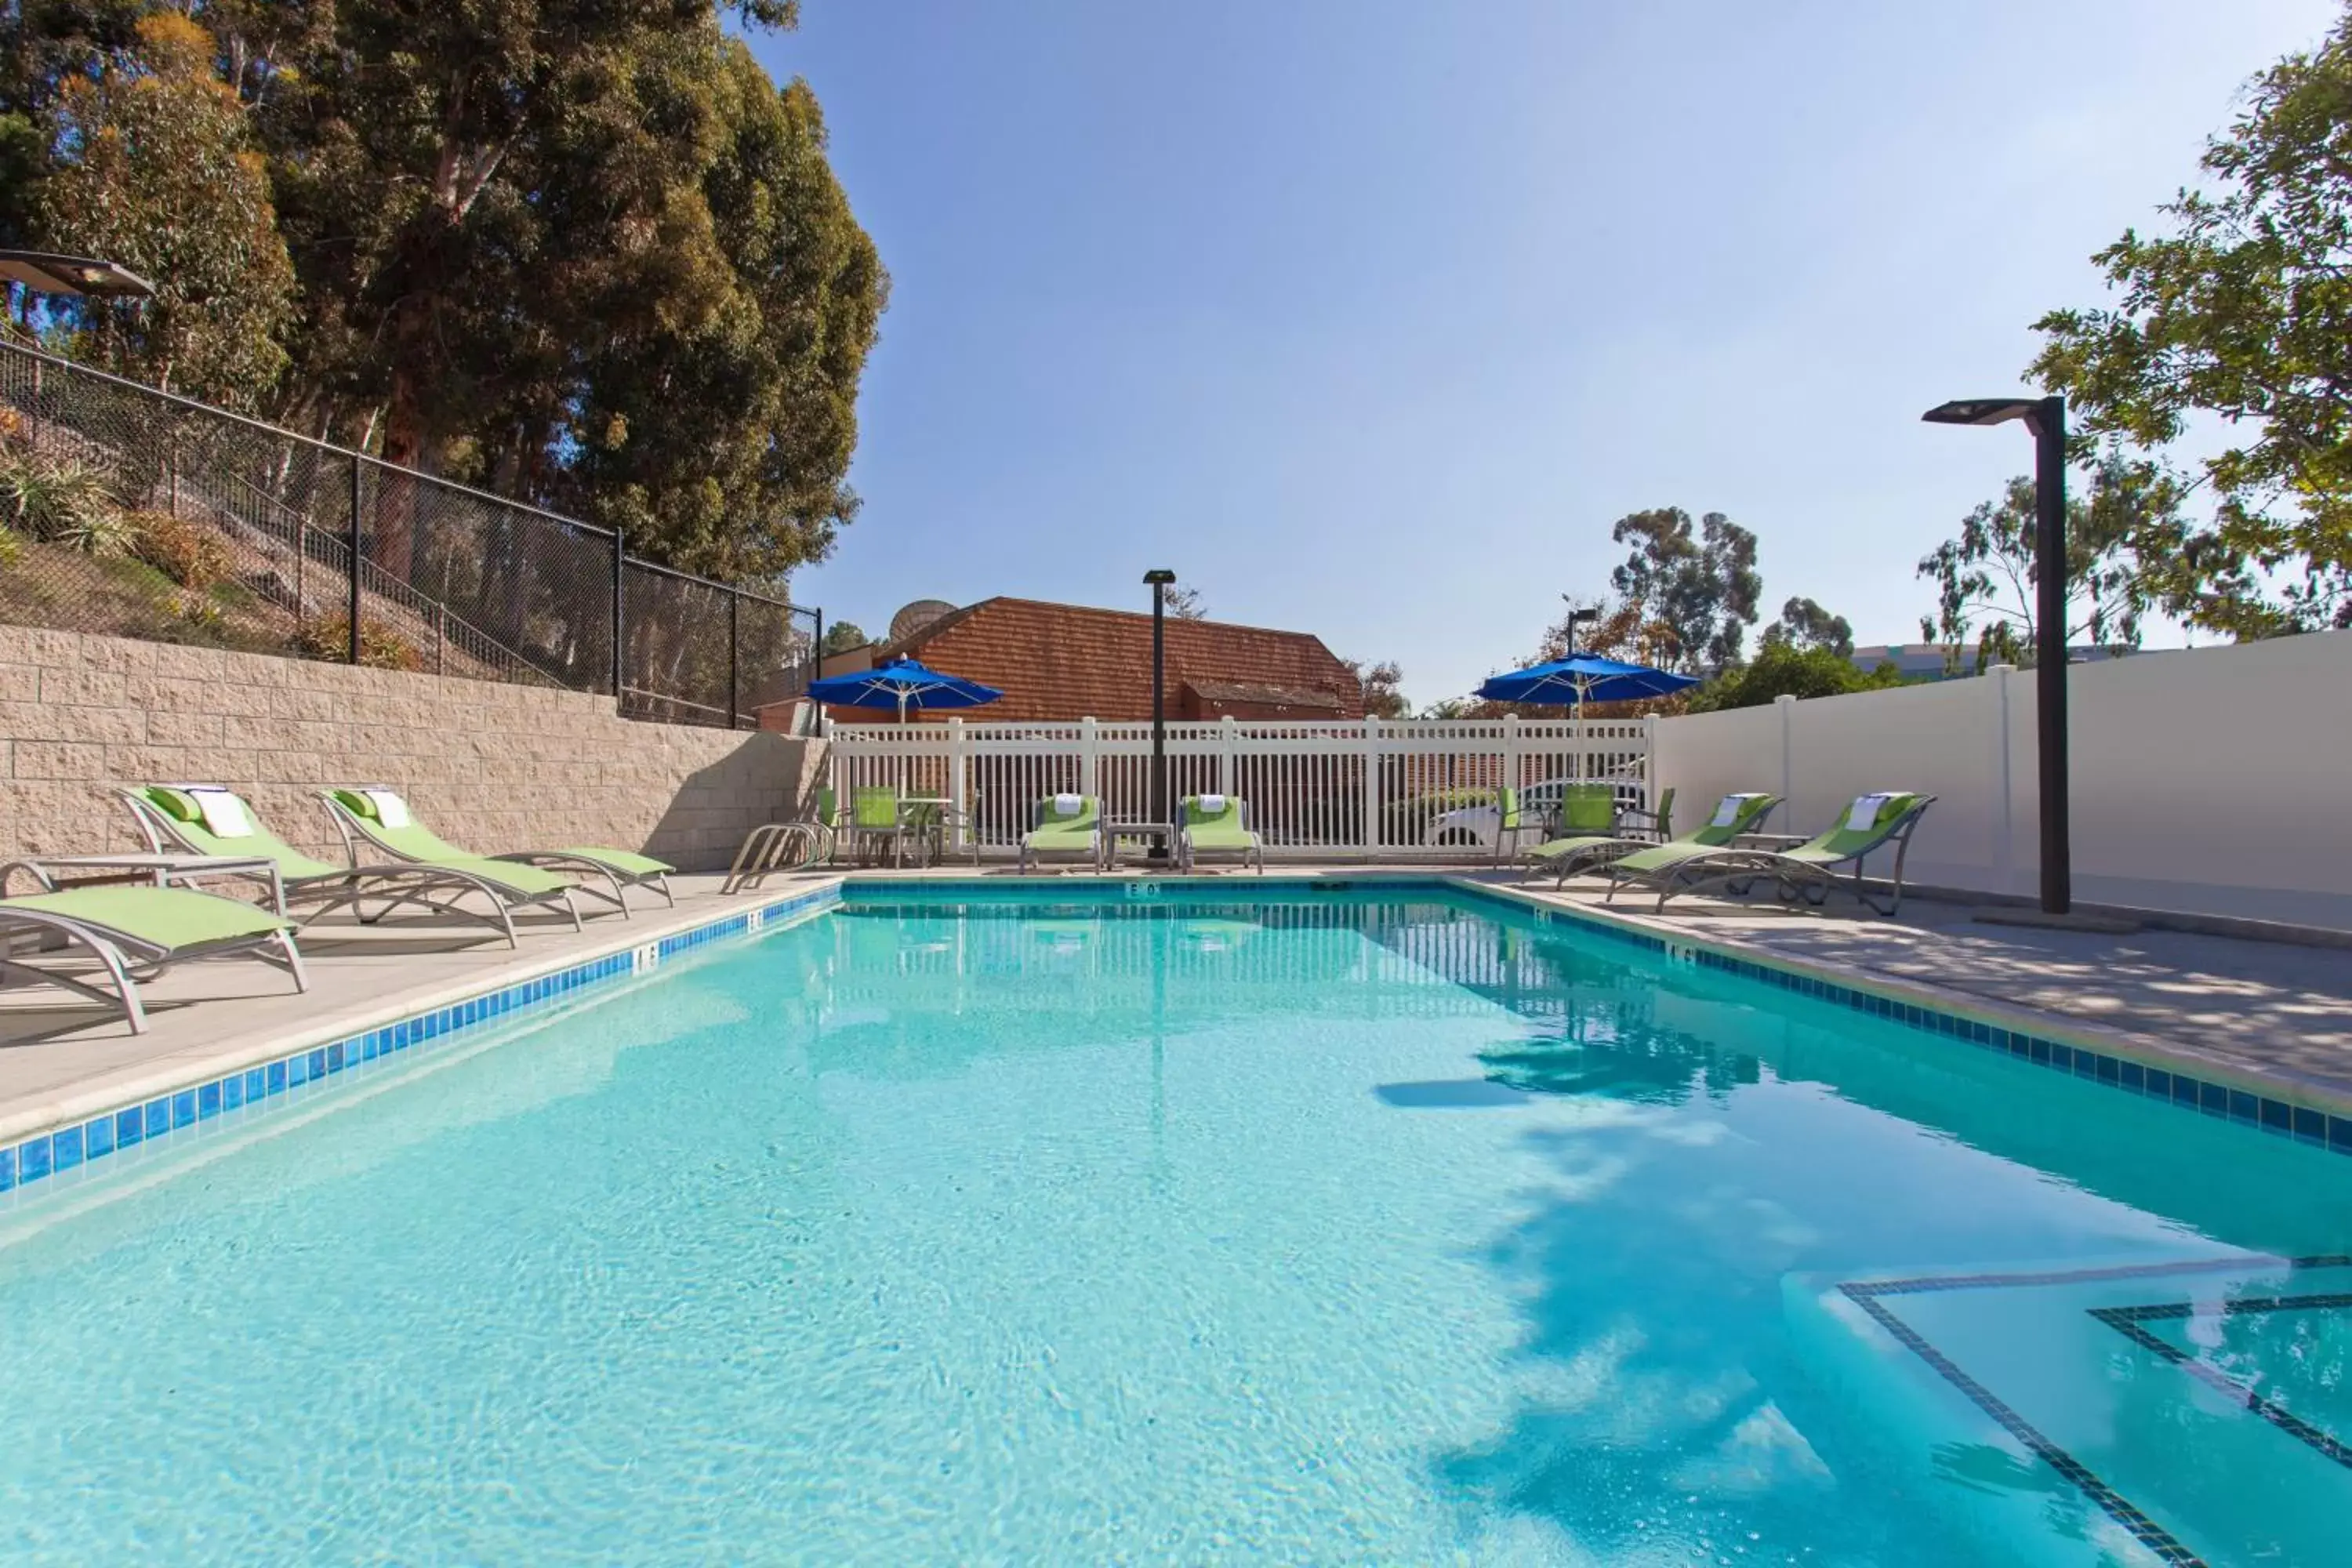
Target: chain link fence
{"type": "Point", "coordinates": [130, 511]}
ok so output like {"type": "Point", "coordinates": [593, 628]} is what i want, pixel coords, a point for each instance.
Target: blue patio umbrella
{"type": "Point", "coordinates": [1584, 678]}
{"type": "Point", "coordinates": [903, 684]}
{"type": "Point", "coordinates": [1579, 678]}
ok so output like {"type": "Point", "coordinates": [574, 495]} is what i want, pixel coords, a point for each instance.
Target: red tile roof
{"type": "Point", "coordinates": [1070, 661]}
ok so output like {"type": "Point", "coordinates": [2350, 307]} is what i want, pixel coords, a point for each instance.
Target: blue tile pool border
{"type": "Point", "coordinates": [266, 1085]}
{"type": "Point", "coordinates": [2305, 1124]}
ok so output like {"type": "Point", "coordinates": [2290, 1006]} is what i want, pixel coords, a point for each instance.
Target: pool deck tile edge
{"type": "Point", "coordinates": [75, 1128]}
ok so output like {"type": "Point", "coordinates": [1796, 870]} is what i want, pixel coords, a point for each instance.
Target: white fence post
{"type": "Point", "coordinates": [2004, 804]}
{"type": "Point", "coordinates": [1787, 704]}
{"type": "Point", "coordinates": [1510, 779]}
{"type": "Point", "coordinates": [1089, 752]}
{"type": "Point", "coordinates": [1229, 740]}
{"type": "Point", "coordinates": [1372, 749]}
{"type": "Point", "coordinates": [955, 778]}
{"type": "Point", "coordinates": [1649, 766]}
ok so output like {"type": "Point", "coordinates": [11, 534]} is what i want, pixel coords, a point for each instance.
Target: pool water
{"type": "Point", "coordinates": [1320, 1228]}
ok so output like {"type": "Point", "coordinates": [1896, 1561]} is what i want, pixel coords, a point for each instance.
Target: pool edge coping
{"type": "Point", "coordinates": [177, 1095]}
{"type": "Point", "coordinates": [74, 1128]}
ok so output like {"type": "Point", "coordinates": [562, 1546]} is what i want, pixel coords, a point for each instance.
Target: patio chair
{"type": "Point", "coordinates": [1064, 825]}
{"type": "Point", "coordinates": [1657, 826]}
{"type": "Point", "coordinates": [1588, 812]}
{"type": "Point", "coordinates": [1216, 825]}
{"type": "Point", "coordinates": [208, 819]}
{"type": "Point", "coordinates": [135, 933]}
{"type": "Point", "coordinates": [1736, 817]}
{"type": "Point", "coordinates": [1808, 872]}
{"type": "Point", "coordinates": [875, 817]}
{"type": "Point", "coordinates": [373, 816]}
{"type": "Point", "coordinates": [1510, 820]}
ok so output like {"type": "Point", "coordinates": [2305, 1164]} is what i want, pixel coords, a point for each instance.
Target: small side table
{"type": "Point", "coordinates": [1112, 832]}
{"type": "Point", "coordinates": [63, 873]}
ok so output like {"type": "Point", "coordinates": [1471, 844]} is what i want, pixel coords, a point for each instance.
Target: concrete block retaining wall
{"type": "Point", "coordinates": [493, 767]}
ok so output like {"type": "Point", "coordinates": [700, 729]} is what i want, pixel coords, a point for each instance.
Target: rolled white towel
{"type": "Point", "coordinates": [1210, 805]}
{"type": "Point", "coordinates": [390, 809]}
{"type": "Point", "coordinates": [1729, 812]}
{"type": "Point", "coordinates": [1862, 817]}
{"type": "Point", "coordinates": [224, 816]}
{"type": "Point", "coordinates": [1067, 805]}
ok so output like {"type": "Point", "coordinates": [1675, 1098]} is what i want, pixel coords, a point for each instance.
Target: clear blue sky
{"type": "Point", "coordinates": [1369, 318]}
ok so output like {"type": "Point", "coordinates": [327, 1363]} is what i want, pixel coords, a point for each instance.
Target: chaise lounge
{"type": "Point", "coordinates": [1736, 817]}
{"type": "Point", "coordinates": [1064, 825]}
{"type": "Point", "coordinates": [135, 933]}
{"type": "Point", "coordinates": [373, 815]}
{"type": "Point", "coordinates": [1808, 872]}
{"type": "Point", "coordinates": [208, 819]}
{"type": "Point", "coordinates": [1217, 825]}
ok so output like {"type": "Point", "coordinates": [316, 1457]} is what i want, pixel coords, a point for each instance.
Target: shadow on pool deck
{"type": "Point", "coordinates": [2260, 1005]}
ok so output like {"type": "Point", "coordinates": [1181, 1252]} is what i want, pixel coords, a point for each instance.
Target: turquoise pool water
{"type": "Point", "coordinates": [1333, 1229]}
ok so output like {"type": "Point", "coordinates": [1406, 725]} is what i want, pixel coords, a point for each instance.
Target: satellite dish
{"type": "Point", "coordinates": [915, 616]}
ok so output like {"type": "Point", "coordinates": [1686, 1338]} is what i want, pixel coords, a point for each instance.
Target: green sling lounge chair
{"type": "Point", "coordinates": [1064, 825]}
{"type": "Point", "coordinates": [1735, 817]}
{"type": "Point", "coordinates": [1657, 826]}
{"type": "Point", "coordinates": [1216, 825]}
{"type": "Point", "coordinates": [207, 819]}
{"type": "Point", "coordinates": [1588, 815]}
{"type": "Point", "coordinates": [372, 816]}
{"type": "Point", "coordinates": [1510, 821]}
{"type": "Point", "coordinates": [874, 816]}
{"type": "Point", "coordinates": [136, 933]}
{"type": "Point", "coordinates": [1809, 871]}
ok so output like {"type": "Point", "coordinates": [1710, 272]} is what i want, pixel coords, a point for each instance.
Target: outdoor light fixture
{"type": "Point", "coordinates": [1160, 578]}
{"type": "Point", "coordinates": [46, 274]}
{"type": "Point", "coordinates": [2046, 417]}
{"type": "Point", "coordinates": [1575, 617]}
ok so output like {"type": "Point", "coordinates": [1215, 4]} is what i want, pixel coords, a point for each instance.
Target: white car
{"type": "Point", "coordinates": [1474, 824]}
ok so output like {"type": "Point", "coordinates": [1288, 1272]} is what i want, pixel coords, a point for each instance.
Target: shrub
{"type": "Point", "coordinates": [329, 638]}
{"type": "Point", "coordinates": [63, 502]}
{"type": "Point", "coordinates": [189, 553]}
{"type": "Point", "coordinates": [1782, 669]}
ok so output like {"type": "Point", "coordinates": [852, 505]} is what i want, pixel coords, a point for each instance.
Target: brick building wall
{"type": "Point", "coordinates": [489, 766]}
{"type": "Point", "coordinates": [1072, 661]}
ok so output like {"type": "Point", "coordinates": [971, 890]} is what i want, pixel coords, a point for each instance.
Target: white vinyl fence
{"type": "Point", "coordinates": [1401, 788]}
{"type": "Point", "coordinates": [2210, 781]}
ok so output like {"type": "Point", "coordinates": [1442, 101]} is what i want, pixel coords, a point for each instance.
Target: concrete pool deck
{"type": "Point", "coordinates": [2267, 1015]}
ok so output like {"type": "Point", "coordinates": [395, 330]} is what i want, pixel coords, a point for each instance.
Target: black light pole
{"type": "Point", "coordinates": [2046, 417]}
{"type": "Point", "coordinates": [1574, 616]}
{"type": "Point", "coordinates": [1160, 579]}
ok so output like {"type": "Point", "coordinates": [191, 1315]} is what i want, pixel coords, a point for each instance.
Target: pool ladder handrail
{"type": "Point", "coordinates": [774, 846]}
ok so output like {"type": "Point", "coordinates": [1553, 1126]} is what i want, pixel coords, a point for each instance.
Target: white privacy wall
{"type": "Point", "coordinates": [2215, 781]}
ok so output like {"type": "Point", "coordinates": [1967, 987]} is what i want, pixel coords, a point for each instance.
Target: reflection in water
{"type": "Point", "coordinates": [1693, 1143]}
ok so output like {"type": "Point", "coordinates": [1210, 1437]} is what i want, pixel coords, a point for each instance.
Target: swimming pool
{"type": "Point", "coordinates": [1290, 1226]}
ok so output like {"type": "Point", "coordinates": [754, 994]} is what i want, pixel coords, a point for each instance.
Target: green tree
{"type": "Point", "coordinates": [1780, 667]}
{"type": "Point", "coordinates": [1384, 698]}
{"type": "Point", "coordinates": [1987, 583]}
{"type": "Point", "coordinates": [1803, 624]}
{"type": "Point", "coordinates": [719, 436]}
{"type": "Point", "coordinates": [843, 636]}
{"type": "Point", "coordinates": [155, 171]}
{"type": "Point", "coordinates": [2243, 311]}
{"type": "Point", "coordinates": [1699, 589]}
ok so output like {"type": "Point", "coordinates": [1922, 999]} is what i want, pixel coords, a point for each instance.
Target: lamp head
{"type": "Point", "coordinates": [1160, 577]}
{"type": "Point", "coordinates": [48, 274]}
{"type": "Point", "coordinates": [1981, 410]}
